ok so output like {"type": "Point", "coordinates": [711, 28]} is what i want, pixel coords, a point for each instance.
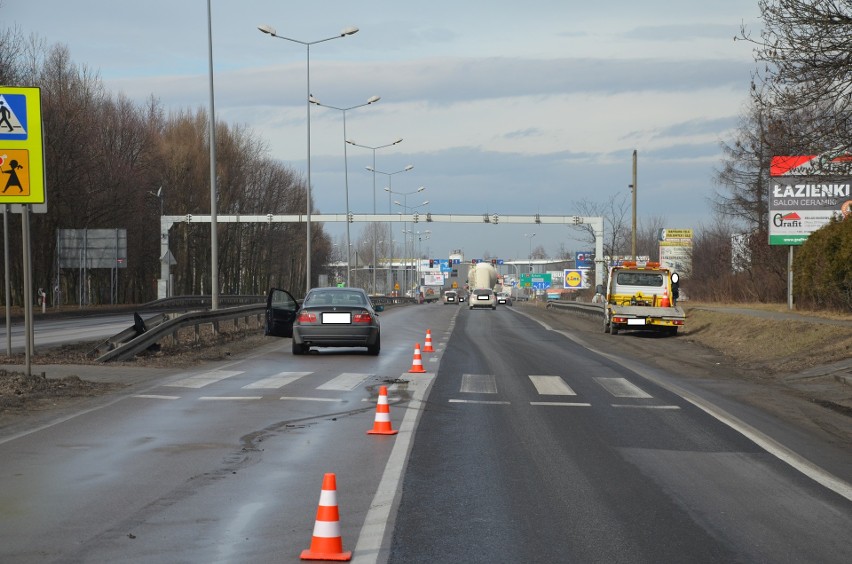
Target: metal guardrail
{"type": "Point", "coordinates": [131, 342]}
{"type": "Point", "coordinates": [148, 339]}
{"type": "Point", "coordinates": [198, 302]}
{"type": "Point", "coordinates": [586, 308]}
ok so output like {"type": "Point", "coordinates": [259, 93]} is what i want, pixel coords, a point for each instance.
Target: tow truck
{"type": "Point", "coordinates": [641, 297]}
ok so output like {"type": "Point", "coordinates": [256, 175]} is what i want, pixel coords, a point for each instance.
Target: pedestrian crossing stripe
{"type": "Point", "coordinates": [551, 386]}
{"type": "Point", "coordinates": [345, 382]}
{"type": "Point", "coordinates": [622, 388]}
{"type": "Point", "coordinates": [13, 116]}
{"type": "Point", "coordinates": [276, 381]}
{"type": "Point", "coordinates": [203, 379]}
{"type": "Point", "coordinates": [545, 385]}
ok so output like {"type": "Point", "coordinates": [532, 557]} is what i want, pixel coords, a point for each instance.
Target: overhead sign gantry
{"type": "Point", "coordinates": [596, 223]}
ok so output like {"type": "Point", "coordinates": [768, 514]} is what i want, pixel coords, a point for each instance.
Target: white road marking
{"type": "Point", "coordinates": [560, 403]}
{"type": "Point", "coordinates": [345, 382]}
{"type": "Point", "coordinates": [154, 396]}
{"type": "Point", "coordinates": [481, 401]}
{"type": "Point", "coordinates": [204, 379]}
{"type": "Point", "coordinates": [277, 381]}
{"type": "Point", "coordinates": [478, 384]}
{"type": "Point", "coordinates": [621, 388]}
{"type": "Point", "coordinates": [646, 406]}
{"type": "Point", "coordinates": [551, 386]}
{"type": "Point", "coordinates": [226, 398]}
{"type": "Point", "coordinates": [310, 399]}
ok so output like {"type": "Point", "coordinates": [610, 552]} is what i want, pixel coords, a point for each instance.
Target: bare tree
{"type": "Point", "coordinates": [616, 226]}
{"type": "Point", "coordinates": [806, 47]}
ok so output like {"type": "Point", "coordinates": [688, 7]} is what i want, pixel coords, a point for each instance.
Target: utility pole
{"type": "Point", "coordinates": [634, 187]}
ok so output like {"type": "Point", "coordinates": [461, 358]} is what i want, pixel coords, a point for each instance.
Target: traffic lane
{"type": "Point", "coordinates": [598, 482]}
{"type": "Point", "coordinates": [202, 461]}
{"type": "Point", "coordinates": [55, 332]}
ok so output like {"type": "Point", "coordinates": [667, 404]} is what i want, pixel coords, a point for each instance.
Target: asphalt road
{"type": "Point", "coordinates": [519, 443]}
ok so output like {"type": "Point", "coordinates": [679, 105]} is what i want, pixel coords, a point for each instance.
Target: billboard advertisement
{"type": "Point", "coordinates": [676, 250]}
{"type": "Point", "coordinates": [805, 192]}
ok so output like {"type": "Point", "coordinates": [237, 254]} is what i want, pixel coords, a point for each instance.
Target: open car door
{"type": "Point", "coordinates": [281, 310]}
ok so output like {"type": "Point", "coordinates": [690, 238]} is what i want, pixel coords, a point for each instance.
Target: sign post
{"type": "Point", "coordinates": [22, 180]}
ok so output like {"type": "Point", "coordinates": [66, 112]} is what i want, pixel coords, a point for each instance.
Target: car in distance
{"type": "Point", "coordinates": [504, 298]}
{"type": "Point", "coordinates": [450, 297]}
{"type": "Point", "coordinates": [327, 317]}
{"type": "Point", "coordinates": [482, 297]}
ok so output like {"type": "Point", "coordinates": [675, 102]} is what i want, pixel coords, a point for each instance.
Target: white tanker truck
{"type": "Point", "coordinates": [481, 280]}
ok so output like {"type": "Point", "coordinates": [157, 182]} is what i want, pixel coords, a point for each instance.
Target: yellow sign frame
{"type": "Point", "coordinates": [31, 144]}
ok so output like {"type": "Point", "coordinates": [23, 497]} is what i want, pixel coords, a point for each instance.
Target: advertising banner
{"type": "Point", "coordinates": [805, 192]}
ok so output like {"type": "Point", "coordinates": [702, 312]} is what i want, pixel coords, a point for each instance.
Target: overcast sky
{"type": "Point", "coordinates": [513, 108]}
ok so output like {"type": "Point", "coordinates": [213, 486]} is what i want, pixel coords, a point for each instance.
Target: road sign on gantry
{"type": "Point", "coordinates": [21, 146]}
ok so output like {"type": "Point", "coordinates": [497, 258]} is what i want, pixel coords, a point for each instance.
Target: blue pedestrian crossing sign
{"type": "Point", "coordinates": [22, 179]}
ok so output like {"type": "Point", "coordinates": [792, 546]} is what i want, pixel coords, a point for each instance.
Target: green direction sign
{"type": "Point", "coordinates": [537, 281]}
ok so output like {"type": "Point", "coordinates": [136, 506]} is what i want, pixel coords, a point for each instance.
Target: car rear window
{"type": "Point", "coordinates": [481, 292]}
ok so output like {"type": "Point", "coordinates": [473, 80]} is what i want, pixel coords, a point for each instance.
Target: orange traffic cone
{"type": "Point", "coordinates": [664, 302]}
{"type": "Point", "coordinates": [417, 362]}
{"type": "Point", "coordinates": [327, 543]}
{"type": "Point", "coordinates": [382, 424]}
{"type": "Point", "coordinates": [427, 347]}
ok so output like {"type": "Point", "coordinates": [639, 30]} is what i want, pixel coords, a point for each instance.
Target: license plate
{"type": "Point", "coordinates": [636, 321]}
{"type": "Point", "coordinates": [337, 318]}
{"type": "Point", "coordinates": [482, 297]}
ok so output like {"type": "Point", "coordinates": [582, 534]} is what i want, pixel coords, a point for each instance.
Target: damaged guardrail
{"type": "Point", "coordinates": [141, 338]}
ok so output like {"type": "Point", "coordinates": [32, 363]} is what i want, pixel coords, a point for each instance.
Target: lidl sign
{"type": "Point", "coordinates": [22, 178]}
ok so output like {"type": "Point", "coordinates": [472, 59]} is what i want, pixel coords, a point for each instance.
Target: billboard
{"type": "Point", "coordinates": [805, 192]}
{"type": "Point", "coordinates": [676, 250]}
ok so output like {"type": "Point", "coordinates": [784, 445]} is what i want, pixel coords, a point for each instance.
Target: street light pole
{"type": "Point", "coordinates": [214, 231]}
{"type": "Point", "coordinates": [530, 237]}
{"type": "Point", "coordinates": [390, 229]}
{"type": "Point", "coordinates": [351, 142]}
{"type": "Point", "coordinates": [371, 100]}
{"type": "Point", "coordinates": [271, 31]}
{"type": "Point", "coordinates": [633, 188]}
{"type": "Point", "coordinates": [405, 230]}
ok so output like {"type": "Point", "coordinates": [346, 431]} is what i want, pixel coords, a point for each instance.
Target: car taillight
{"type": "Point", "coordinates": [307, 317]}
{"type": "Point", "coordinates": [362, 317]}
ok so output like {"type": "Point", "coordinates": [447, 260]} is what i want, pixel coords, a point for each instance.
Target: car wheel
{"type": "Point", "coordinates": [375, 347]}
{"type": "Point", "coordinates": [299, 348]}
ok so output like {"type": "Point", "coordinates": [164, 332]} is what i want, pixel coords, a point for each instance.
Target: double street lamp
{"type": "Point", "coordinates": [353, 143]}
{"type": "Point", "coordinates": [269, 30]}
{"type": "Point", "coordinates": [371, 100]}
